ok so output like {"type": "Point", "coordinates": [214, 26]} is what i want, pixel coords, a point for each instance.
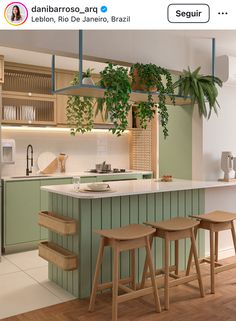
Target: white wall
{"type": "Point", "coordinates": [84, 150]}
{"type": "Point", "coordinates": [218, 134]}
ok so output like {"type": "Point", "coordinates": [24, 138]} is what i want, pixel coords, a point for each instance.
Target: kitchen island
{"type": "Point", "coordinates": [127, 202]}
{"type": "Point", "coordinates": [22, 232]}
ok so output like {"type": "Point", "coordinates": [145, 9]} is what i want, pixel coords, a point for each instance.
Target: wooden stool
{"type": "Point", "coordinates": [174, 230]}
{"type": "Point", "coordinates": [125, 238]}
{"type": "Point", "coordinates": [215, 222]}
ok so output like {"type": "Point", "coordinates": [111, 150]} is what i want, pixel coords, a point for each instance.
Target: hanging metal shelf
{"type": "Point", "coordinates": [135, 96]}
{"type": "Point", "coordinates": [98, 92]}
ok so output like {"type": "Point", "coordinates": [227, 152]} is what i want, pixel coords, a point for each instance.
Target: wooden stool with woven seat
{"type": "Point", "coordinates": [215, 222]}
{"type": "Point", "coordinates": [174, 230]}
{"type": "Point", "coordinates": [126, 238]}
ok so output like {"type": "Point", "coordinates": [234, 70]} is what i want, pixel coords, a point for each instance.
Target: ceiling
{"type": "Point", "coordinates": [29, 44]}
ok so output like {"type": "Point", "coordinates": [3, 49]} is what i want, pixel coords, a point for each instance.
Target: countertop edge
{"type": "Point", "coordinates": [160, 187]}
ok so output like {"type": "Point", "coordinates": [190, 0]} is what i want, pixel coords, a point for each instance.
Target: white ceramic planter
{"type": "Point", "coordinates": [87, 81]}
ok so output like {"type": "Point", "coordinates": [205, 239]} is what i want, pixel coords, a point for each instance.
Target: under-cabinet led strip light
{"type": "Point", "coordinates": [50, 129]}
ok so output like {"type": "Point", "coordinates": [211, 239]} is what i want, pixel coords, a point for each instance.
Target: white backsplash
{"type": "Point", "coordinates": [84, 151]}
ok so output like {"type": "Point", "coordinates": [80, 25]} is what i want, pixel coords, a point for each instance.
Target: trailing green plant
{"type": "Point", "coordinates": [200, 89]}
{"type": "Point", "coordinates": [115, 80]}
{"type": "Point", "coordinates": [79, 111]}
{"type": "Point", "coordinates": [153, 78]}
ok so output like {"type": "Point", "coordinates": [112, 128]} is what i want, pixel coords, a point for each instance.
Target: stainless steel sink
{"type": "Point", "coordinates": [32, 176]}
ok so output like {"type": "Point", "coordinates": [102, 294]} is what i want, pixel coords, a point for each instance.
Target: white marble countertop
{"type": "Point", "coordinates": [146, 186]}
{"type": "Point", "coordinates": [69, 175]}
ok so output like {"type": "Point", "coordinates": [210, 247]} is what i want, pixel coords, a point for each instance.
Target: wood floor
{"type": "Point", "coordinates": [185, 305]}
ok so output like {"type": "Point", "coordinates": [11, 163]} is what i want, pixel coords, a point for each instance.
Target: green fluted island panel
{"type": "Point", "coordinates": [115, 212]}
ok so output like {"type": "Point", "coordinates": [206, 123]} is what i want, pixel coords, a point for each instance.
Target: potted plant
{"type": "Point", "coordinates": [200, 89]}
{"type": "Point", "coordinates": [115, 80]}
{"type": "Point", "coordinates": [152, 78]}
{"type": "Point", "coordinates": [79, 111]}
{"type": "Point", "coordinates": [87, 77]}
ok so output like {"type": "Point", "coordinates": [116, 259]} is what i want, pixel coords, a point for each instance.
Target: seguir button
{"type": "Point", "coordinates": [188, 13]}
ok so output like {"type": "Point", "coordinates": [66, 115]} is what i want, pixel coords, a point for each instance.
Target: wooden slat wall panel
{"type": "Point", "coordinates": [116, 212]}
{"type": "Point", "coordinates": [141, 149]}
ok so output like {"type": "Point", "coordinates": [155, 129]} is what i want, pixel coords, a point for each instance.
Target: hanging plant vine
{"type": "Point", "coordinates": [79, 111]}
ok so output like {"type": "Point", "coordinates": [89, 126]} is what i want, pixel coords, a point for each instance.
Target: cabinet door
{"type": "Point", "coordinates": [44, 199]}
{"type": "Point", "coordinates": [63, 79]}
{"type": "Point", "coordinates": [122, 177]}
{"type": "Point", "coordinates": [1, 70]}
{"type": "Point", "coordinates": [22, 204]}
{"type": "Point", "coordinates": [88, 179]}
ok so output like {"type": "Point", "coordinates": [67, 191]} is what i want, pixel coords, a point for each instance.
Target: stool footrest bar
{"type": "Point", "coordinates": [108, 285]}
{"type": "Point", "coordinates": [134, 294]}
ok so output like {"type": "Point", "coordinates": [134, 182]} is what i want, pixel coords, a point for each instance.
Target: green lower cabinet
{"type": "Point", "coordinates": [23, 200]}
{"type": "Point", "coordinates": [90, 179]}
{"type": "Point", "coordinates": [112, 177]}
{"type": "Point", "coordinates": [22, 203]}
{"type": "Point", "coordinates": [122, 177]}
{"type": "Point", "coordinates": [44, 206]}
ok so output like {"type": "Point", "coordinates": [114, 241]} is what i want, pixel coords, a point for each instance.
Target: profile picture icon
{"type": "Point", "coordinates": [16, 13]}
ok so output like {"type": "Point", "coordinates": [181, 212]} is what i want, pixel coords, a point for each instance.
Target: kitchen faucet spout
{"type": "Point", "coordinates": [29, 158]}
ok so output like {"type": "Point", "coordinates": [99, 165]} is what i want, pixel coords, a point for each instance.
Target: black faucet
{"type": "Point", "coordinates": [29, 158]}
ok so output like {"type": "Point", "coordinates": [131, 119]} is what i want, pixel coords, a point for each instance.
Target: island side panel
{"type": "Point", "coordinates": [113, 212]}
{"type": "Point", "coordinates": [66, 206]}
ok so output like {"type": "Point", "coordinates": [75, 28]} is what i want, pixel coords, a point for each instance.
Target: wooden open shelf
{"type": "Point", "coordinates": [57, 223]}
{"type": "Point", "coordinates": [59, 256]}
{"type": "Point", "coordinates": [20, 108]}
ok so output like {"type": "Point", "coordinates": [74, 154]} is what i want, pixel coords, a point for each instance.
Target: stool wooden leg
{"type": "Point", "coordinates": [190, 258]}
{"type": "Point", "coordinates": [166, 269]}
{"type": "Point", "coordinates": [233, 235]}
{"type": "Point", "coordinates": [194, 249]}
{"type": "Point", "coordinates": [145, 269]}
{"type": "Point", "coordinates": [133, 269]}
{"type": "Point", "coordinates": [216, 246]}
{"type": "Point", "coordinates": [115, 280]}
{"type": "Point", "coordinates": [96, 275]}
{"type": "Point", "coordinates": [152, 275]}
{"type": "Point", "coordinates": [212, 259]}
{"type": "Point", "coordinates": [176, 257]}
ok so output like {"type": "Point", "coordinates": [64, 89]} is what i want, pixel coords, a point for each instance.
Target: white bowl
{"type": "Point", "coordinates": [98, 186]}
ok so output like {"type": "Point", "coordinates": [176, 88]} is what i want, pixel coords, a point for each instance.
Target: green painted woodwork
{"type": "Point", "coordinates": [44, 199]}
{"type": "Point", "coordinates": [113, 212]}
{"type": "Point", "coordinates": [22, 202]}
{"type": "Point", "coordinates": [176, 150]}
{"type": "Point", "coordinates": [112, 177]}
{"type": "Point", "coordinates": [88, 179]}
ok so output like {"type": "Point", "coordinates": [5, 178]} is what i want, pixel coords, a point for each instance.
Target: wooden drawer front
{"type": "Point", "coordinates": [57, 223]}
{"type": "Point", "coordinates": [59, 256]}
